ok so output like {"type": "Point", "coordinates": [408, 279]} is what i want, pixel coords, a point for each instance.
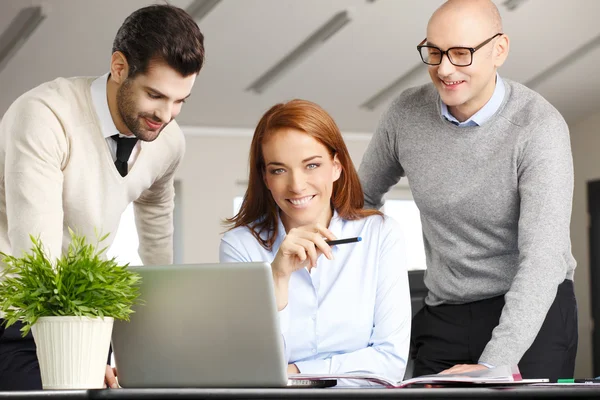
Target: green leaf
{"type": "Point", "coordinates": [80, 282]}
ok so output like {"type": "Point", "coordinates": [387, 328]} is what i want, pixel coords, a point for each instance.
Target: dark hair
{"type": "Point", "coordinates": [259, 211]}
{"type": "Point", "coordinates": [161, 32]}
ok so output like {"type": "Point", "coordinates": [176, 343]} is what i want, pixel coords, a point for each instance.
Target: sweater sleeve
{"type": "Point", "coordinates": [380, 169]}
{"type": "Point", "coordinates": [36, 154]}
{"type": "Point", "coordinates": [154, 215]}
{"type": "Point", "coordinates": [545, 179]}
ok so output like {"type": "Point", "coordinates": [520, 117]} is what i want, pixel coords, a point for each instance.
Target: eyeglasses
{"type": "Point", "coordinates": [458, 56]}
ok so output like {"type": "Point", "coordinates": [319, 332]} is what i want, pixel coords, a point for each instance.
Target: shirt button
{"type": "Point", "coordinates": [314, 317]}
{"type": "Point", "coordinates": [314, 351]}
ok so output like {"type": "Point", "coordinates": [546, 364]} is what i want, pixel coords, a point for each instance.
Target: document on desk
{"type": "Point", "coordinates": [493, 376]}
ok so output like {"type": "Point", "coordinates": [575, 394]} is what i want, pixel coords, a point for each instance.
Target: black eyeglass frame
{"type": "Point", "coordinates": [442, 52]}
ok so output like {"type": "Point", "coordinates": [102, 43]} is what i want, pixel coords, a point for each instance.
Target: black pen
{"type": "Point", "coordinates": [343, 241]}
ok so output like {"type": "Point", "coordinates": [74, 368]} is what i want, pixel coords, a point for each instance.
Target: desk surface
{"type": "Point", "coordinates": [332, 393]}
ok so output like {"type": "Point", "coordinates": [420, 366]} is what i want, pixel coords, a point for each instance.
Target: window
{"type": "Point", "coordinates": [237, 203]}
{"type": "Point", "coordinates": [125, 246]}
{"type": "Point", "coordinates": [407, 214]}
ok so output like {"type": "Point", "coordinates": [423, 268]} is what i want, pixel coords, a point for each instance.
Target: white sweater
{"type": "Point", "coordinates": [57, 173]}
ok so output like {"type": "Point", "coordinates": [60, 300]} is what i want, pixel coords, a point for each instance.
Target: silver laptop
{"type": "Point", "coordinates": [202, 325]}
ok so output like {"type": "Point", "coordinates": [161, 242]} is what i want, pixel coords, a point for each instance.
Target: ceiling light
{"type": "Point", "coordinates": [17, 33]}
{"type": "Point", "coordinates": [200, 8]}
{"type": "Point", "coordinates": [314, 41]}
{"type": "Point", "coordinates": [395, 87]}
{"type": "Point", "coordinates": [512, 5]}
{"type": "Point", "coordinates": [580, 52]}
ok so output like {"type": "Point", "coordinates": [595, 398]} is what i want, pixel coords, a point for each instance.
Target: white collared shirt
{"type": "Point", "coordinates": [351, 314]}
{"type": "Point", "coordinates": [107, 125]}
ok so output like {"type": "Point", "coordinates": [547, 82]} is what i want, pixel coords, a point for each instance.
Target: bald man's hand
{"type": "Point", "coordinates": [464, 368]}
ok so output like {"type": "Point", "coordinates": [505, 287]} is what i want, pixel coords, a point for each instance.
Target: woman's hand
{"type": "Point", "coordinates": [301, 248]}
{"type": "Point", "coordinates": [292, 369]}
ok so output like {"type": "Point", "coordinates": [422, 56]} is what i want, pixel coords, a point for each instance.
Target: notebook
{"type": "Point", "coordinates": [503, 375]}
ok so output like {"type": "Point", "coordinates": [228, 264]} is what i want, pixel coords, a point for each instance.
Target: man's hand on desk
{"type": "Point", "coordinates": [110, 378]}
{"type": "Point", "coordinates": [292, 369]}
{"type": "Point", "coordinates": [463, 368]}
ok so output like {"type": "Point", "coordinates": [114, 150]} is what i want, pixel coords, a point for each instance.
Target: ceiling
{"type": "Point", "coordinates": [555, 48]}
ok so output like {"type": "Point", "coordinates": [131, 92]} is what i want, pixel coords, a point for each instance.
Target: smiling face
{"type": "Point", "coordinates": [148, 102]}
{"type": "Point", "coordinates": [299, 173]}
{"type": "Point", "coordinates": [460, 23]}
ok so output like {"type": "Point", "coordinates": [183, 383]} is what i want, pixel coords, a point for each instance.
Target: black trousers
{"type": "Point", "coordinates": [19, 368]}
{"type": "Point", "coordinates": [446, 335]}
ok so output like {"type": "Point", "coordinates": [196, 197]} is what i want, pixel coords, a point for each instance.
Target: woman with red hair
{"type": "Point", "coordinates": [342, 308]}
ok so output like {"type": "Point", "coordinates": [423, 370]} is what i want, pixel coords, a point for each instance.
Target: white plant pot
{"type": "Point", "coordinates": [72, 351]}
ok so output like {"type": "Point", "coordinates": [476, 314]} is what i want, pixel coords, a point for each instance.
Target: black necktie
{"type": "Point", "coordinates": [124, 148]}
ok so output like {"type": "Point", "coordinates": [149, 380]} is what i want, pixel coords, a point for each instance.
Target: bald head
{"type": "Point", "coordinates": [481, 15]}
{"type": "Point", "coordinates": [465, 81]}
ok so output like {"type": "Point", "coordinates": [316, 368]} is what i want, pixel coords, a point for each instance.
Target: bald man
{"type": "Point", "coordinates": [490, 168]}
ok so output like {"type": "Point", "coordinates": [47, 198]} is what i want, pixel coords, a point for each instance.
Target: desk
{"type": "Point", "coordinates": [313, 394]}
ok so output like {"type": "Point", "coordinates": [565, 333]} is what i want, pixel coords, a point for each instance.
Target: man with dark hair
{"type": "Point", "coordinates": [490, 168]}
{"type": "Point", "coordinates": [75, 152]}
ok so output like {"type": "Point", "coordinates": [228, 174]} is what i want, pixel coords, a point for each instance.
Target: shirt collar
{"type": "Point", "coordinates": [486, 111]}
{"type": "Point", "coordinates": [100, 101]}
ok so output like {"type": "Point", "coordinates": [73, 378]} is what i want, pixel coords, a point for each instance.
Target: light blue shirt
{"type": "Point", "coordinates": [486, 111]}
{"type": "Point", "coordinates": [348, 315]}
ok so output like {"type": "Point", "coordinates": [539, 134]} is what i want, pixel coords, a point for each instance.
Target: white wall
{"type": "Point", "coordinates": [585, 142]}
{"type": "Point", "coordinates": [210, 176]}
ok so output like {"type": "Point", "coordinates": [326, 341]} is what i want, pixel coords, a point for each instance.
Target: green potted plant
{"type": "Point", "coordinates": [70, 306]}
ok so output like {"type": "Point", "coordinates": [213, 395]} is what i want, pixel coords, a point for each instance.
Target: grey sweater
{"type": "Point", "coordinates": [495, 203]}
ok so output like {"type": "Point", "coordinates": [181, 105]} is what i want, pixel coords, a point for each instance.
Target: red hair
{"type": "Point", "coordinates": [259, 212]}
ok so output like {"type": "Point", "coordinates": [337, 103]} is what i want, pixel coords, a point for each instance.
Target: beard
{"type": "Point", "coordinates": [133, 119]}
